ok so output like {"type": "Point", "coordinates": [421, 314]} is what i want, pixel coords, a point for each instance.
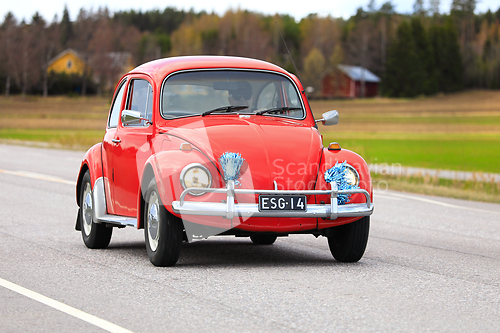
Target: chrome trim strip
{"type": "Point", "coordinates": [230, 209]}
{"type": "Point", "coordinates": [116, 219]}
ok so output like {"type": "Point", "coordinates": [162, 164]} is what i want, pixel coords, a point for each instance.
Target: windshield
{"type": "Point", "coordinates": [213, 92]}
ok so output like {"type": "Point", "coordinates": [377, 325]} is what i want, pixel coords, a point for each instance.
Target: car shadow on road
{"type": "Point", "coordinates": [239, 253]}
{"type": "Point", "coordinates": [243, 253]}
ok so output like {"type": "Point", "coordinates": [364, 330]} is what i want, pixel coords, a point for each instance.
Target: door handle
{"type": "Point", "coordinates": [117, 141]}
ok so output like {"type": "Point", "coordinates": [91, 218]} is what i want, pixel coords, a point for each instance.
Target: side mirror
{"type": "Point", "coordinates": [130, 117]}
{"type": "Point", "coordinates": [329, 118]}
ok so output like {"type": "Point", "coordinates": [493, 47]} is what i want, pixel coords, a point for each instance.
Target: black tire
{"type": "Point", "coordinates": [348, 242]}
{"type": "Point", "coordinates": [163, 232]}
{"type": "Point", "coordinates": [263, 239]}
{"type": "Point", "coordinates": [95, 235]}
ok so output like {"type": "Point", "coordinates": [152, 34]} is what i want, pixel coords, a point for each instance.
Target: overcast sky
{"type": "Point", "coordinates": [298, 9]}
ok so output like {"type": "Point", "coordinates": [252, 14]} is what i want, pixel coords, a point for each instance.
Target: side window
{"type": "Point", "coordinates": [140, 98]}
{"type": "Point", "coordinates": [293, 98]}
{"type": "Point", "coordinates": [115, 109]}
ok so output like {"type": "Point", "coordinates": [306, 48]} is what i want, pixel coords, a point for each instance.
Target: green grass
{"type": "Point", "coordinates": [82, 139]}
{"type": "Point", "coordinates": [464, 152]}
{"type": "Point", "coordinates": [455, 132]}
{"type": "Point", "coordinates": [467, 190]}
{"type": "Point", "coordinates": [425, 119]}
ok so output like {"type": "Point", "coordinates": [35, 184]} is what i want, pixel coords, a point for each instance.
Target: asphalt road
{"type": "Point", "coordinates": [432, 264]}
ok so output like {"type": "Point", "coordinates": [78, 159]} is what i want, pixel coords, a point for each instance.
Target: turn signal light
{"type": "Point", "coordinates": [334, 146]}
{"type": "Point", "coordinates": [186, 146]}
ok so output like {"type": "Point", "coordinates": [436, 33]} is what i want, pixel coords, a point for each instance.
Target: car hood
{"type": "Point", "coordinates": [274, 149]}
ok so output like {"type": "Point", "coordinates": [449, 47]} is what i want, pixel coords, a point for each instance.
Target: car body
{"type": "Point", "coordinates": [211, 145]}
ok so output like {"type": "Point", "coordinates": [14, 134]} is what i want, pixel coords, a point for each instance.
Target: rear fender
{"type": "Point", "coordinates": [91, 161]}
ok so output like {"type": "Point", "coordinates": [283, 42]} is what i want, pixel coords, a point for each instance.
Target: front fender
{"type": "Point", "coordinates": [166, 167]}
{"type": "Point", "coordinates": [331, 157]}
{"type": "Point", "coordinates": [92, 162]}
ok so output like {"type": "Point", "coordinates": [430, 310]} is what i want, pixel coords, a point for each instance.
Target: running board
{"type": "Point", "coordinates": [100, 211]}
{"type": "Point", "coordinates": [118, 220]}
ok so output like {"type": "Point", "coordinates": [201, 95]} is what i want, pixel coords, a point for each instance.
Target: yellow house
{"type": "Point", "coordinates": [68, 61]}
{"type": "Point", "coordinates": [71, 62]}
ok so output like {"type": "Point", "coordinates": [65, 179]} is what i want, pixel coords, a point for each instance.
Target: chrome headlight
{"type": "Point", "coordinates": [351, 175]}
{"type": "Point", "coordinates": [195, 175]}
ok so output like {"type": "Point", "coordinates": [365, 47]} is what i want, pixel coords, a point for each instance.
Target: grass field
{"type": "Point", "coordinates": [457, 132]}
{"type": "Point", "coordinates": [463, 152]}
{"type": "Point", "coordinates": [69, 122]}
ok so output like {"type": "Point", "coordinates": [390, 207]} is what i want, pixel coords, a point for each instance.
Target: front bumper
{"type": "Point", "coordinates": [230, 209]}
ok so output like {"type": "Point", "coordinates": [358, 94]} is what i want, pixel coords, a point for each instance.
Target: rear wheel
{"type": "Point", "coordinates": [95, 235]}
{"type": "Point", "coordinates": [163, 232]}
{"type": "Point", "coordinates": [348, 241]}
{"type": "Point", "coordinates": [263, 239]}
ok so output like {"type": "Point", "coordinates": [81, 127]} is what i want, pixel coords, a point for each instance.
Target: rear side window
{"type": "Point", "coordinates": [115, 109]}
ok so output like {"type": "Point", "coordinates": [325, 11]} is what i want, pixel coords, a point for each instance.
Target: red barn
{"type": "Point", "coordinates": [350, 82]}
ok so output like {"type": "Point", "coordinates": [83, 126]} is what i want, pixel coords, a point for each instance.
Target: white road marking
{"type": "Point", "coordinates": [91, 319]}
{"type": "Point", "coordinates": [377, 195]}
{"type": "Point", "coordinates": [435, 202]}
{"type": "Point", "coordinates": [34, 175]}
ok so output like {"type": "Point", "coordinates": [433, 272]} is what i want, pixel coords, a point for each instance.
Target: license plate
{"type": "Point", "coordinates": [282, 202]}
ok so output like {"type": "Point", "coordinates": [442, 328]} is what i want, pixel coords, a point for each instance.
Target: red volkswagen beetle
{"type": "Point", "coordinates": [209, 145]}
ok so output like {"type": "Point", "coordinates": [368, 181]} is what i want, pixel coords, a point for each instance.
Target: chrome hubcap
{"type": "Point", "coordinates": [87, 209]}
{"type": "Point", "coordinates": [153, 221]}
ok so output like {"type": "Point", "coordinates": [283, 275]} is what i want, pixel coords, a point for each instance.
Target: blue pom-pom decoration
{"type": "Point", "coordinates": [337, 174]}
{"type": "Point", "coordinates": [231, 165]}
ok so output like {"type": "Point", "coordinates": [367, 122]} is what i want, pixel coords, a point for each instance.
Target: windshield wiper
{"type": "Point", "coordinates": [228, 108]}
{"type": "Point", "coordinates": [285, 108]}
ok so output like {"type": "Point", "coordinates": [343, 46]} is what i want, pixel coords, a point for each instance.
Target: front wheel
{"type": "Point", "coordinates": [95, 235]}
{"type": "Point", "coordinates": [348, 241]}
{"type": "Point", "coordinates": [163, 232]}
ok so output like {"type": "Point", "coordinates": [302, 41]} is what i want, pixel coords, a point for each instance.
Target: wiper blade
{"type": "Point", "coordinates": [228, 108]}
{"type": "Point", "coordinates": [285, 108]}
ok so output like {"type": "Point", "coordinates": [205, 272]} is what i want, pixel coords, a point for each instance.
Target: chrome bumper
{"type": "Point", "coordinates": [230, 209]}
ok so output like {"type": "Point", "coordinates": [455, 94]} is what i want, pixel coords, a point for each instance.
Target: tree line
{"type": "Point", "coordinates": [415, 54]}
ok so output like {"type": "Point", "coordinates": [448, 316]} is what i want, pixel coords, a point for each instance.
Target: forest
{"type": "Point", "coordinates": [423, 53]}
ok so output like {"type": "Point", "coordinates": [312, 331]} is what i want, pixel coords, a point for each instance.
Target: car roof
{"type": "Point", "coordinates": [160, 68]}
